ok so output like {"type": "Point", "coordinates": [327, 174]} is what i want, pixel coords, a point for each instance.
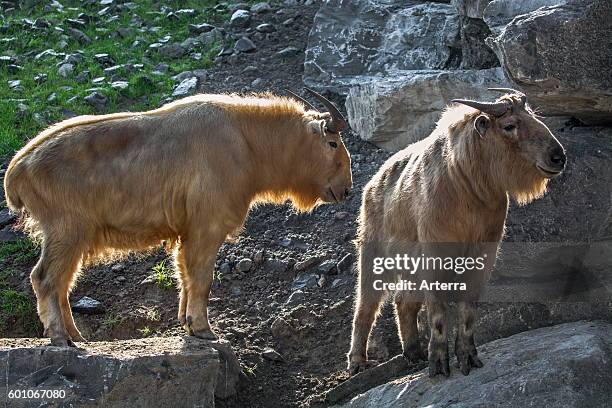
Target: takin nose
{"type": "Point", "coordinates": [557, 158]}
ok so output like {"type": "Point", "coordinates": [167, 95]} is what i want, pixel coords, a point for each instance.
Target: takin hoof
{"type": "Point", "coordinates": [438, 363]}
{"type": "Point", "coordinates": [467, 360]}
{"type": "Point", "coordinates": [357, 365]}
{"type": "Point", "coordinates": [414, 354]}
{"type": "Point", "coordinates": [62, 342]}
{"type": "Point", "coordinates": [205, 334]}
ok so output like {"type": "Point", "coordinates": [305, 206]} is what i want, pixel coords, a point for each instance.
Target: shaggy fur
{"type": "Point", "coordinates": [186, 173]}
{"type": "Point", "coordinates": [451, 187]}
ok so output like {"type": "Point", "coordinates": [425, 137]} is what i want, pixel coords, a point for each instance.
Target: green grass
{"type": "Point", "coordinates": [17, 127]}
{"type": "Point", "coordinates": [110, 321]}
{"type": "Point", "coordinates": [163, 275]}
{"type": "Point", "coordinates": [17, 306]}
{"type": "Point", "coordinates": [22, 250]}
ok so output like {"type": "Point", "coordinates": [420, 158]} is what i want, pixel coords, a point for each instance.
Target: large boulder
{"type": "Point", "coordinates": [568, 365]}
{"type": "Point", "coordinates": [558, 55]}
{"type": "Point", "coordinates": [400, 110]}
{"type": "Point", "coordinates": [470, 8]}
{"type": "Point", "coordinates": [499, 13]}
{"type": "Point", "coordinates": [350, 40]}
{"type": "Point", "coordinates": [152, 372]}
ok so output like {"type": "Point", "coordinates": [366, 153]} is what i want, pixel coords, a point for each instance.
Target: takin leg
{"type": "Point", "coordinates": [406, 314]}
{"type": "Point", "coordinates": [51, 279]}
{"type": "Point", "coordinates": [179, 260]}
{"type": "Point", "coordinates": [197, 262]}
{"type": "Point", "coordinates": [465, 349]}
{"type": "Point", "coordinates": [367, 307]}
{"type": "Point", "coordinates": [438, 341]}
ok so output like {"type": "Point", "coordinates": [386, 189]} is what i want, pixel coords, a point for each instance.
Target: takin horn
{"type": "Point", "coordinates": [304, 101]}
{"type": "Point", "coordinates": [492, 108]}
{"type": "Point", "coordinates": [337, 123]}
{"type": "Point", "coordinates": [510, 90]}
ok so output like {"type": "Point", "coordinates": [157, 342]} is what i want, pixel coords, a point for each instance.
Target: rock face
{"type": "Point", "coordinates": [367, 37]}
{"type": "Point", "coordinates": [568, 365]}
{"type": "Point", "coordinates": [559, 55]}
{"type": "Point", "coordinates": [152, 372]}
{"type": "Point", "coordinates": [395, 112]}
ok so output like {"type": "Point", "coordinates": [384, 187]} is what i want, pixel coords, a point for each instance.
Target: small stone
{"type": "Point", "coordinates": [120, 279]}
{"type": "Point", "coordinates": [82, 77]}
{"type": "Point", "coordinates": [148, 280]}
{"type": "Point", "coordinates": [337, 282]}
{"type": "Point", "coordinates": [275, 265]}
{"type": "Point", "coordinates": [13, 69]}
{"type": "Point", "coordinates": [244, 45]}
{"type": "Point", "coordinates": [98, 80]}
{"type": "Point", "coordinates": [322, 281]}
{"type": "Point", "coordinates": [186, 87]}
{"type": "Point", "coordinates": [119, 267]}
{"type": "Point", "coordinates": [121, 85]}
{"type": "Point", "coordinates": [288, 52]}
{"type": "Point", "coordinates": [346, 263]}
{"type": "Point", "coordinates": [288, 21]}
{"type": "Point", "coordinates": [307, 263]}
{"type": "Point", "coordinates": [262, 7]}
{"type": "Point", "coordinates": [104, 59]}
{"type": "Point", "coordinates": [161, 68]}
{"type": "Point", "coordinates": [257, 83]}
{"type": "Point", "coordinates": [40, 78]}
{"type": "Point", "coordinates": [328, 267]}
{"type": "Point", "coordinates": [52, 97]}
{"type": "Point", "coordinates": [15, 85]}
{"type": "Point", "coordinates": [244, 265]}
{"type": "Point", "coordinates": [340, 215]}
{"type": "Point", "coordinates": [65, 70]}
{"type": "Point", "coordinates": [172, 51]}
{"type": "Point", "coordinates": [97, 100]}
{"type": "Point", "coordinates": [259, 257]}
{"type": "Point", "coordinates": [297, 296]}
{"type": "Point", "coordinates": [240, 18]}
{"type": "Point", "coordinates": [285, 242]}
{"type": "Point", "coordinates": [224, 268]}
{"type": "Point", "coordinates": [200, 28]}
{"type": "Point", "coordinates": [80, 36]}
{"type": "Point", "coordinates": [305, 281]}
{"type": "Point", "coordinates": [235, 290]}
{"type": "Point", "coordinates": [87, 305]}
{"type": "Point", "coordinates": [6, 217]}
{"type": "Point", "coordinates": [265, 28]}
{"type": "Point", "coordinates": [271, 354]}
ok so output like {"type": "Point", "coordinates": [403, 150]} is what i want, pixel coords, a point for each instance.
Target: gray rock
{"type": "Point", "coordinates": [87, 305]}
{"type": "Point", "coordinates": [258, 83]}
{"type": "Point", "coordinates": [210, 38]}
{"type": "Point", "coordinates": [307, 263]}
{"type": "Point", "coordinates": [172, 51]}
{"type": "Point", "coordinates": [161, 68]}
{"type": "Point", "coordinates": [186, 87]}
{"type": "Point", "coordinates": [271, 354]}
{"type": "Point", "coordinates": [97, 100]}
{"type": "Point", "coordinates": [475, 53]}
{"type": "Point", "coordinates": [328, 267]}
{"type": "Point", "coordinates": [296, 297]}
{"type": "Point", "coordinates": [240, 18]}
{"type": "Point", "coordinates": [6, 217]}
{"type": "Point", "coordinates": [395, 112]}
{"type": "Point", "coordinates": [65, 70]}
{"type": "Point", "coordinates": [200, 28]}
{"type": "Point", "coordinates": [244, 265]}
{"type": "Point", "coordinates": [79, 36]}
{"type": "Point", "coordinates": [305, 281]}
{"type": "Point", "coordinates": [82, 77]}
{"type": "Point", "coordinates": [8, 234]}
{"type": "Point", "coordinates": [275, 265]}
{"type": "Point", "coordinates": [369, 37]}
{"type": "Point", "coordinates": [500, 13]}
{"type": "Point", "coordinates": [40, 78]}
{"type": "Point", "coordinates": [521, 370]}
{"type": "Point", "coordinates": [121, 85]}
{"type": "Point", "coordinates": [138, 373]}
{"type": "Point", "coordinates": [471, 8]}
{"type": "Point", "coordinates": [560, 57]}
{"type": "Point", "coordinates": [262, 7]}
{"type": "Point", "coordinates": [265, 28]}
{"type": "Point", "coordinates": [244, 45]}
{"type": "Point", "coordinates": [114, 69]}
{"type": "Point", "coordinates": [15, 85]}
{"type": "Point", "coordinates": [288, 52]}
{"type": "Point", "coordinates": [200, 74]}
{"type": "Point", "coordinates": [104, 59]}
{"type": "Point", "coordinates": [345, 265]}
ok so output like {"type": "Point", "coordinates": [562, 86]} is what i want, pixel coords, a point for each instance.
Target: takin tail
{"type": "Point", "coordinates": [11, 186]}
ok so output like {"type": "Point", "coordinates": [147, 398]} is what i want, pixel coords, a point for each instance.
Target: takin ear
{"type": "Point", "coordinates": [481, 124]}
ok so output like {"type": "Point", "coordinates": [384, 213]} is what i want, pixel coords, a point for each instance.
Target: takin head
{"type": "Point", "coordinates": [329, 158]}
{"type": "Point", "coordinates": [524, 153]}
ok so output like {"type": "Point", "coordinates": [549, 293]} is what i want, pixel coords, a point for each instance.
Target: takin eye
{"type": "Point", "coordinates": [509, 128]}
{"type": "Point", "coordinates": [333, 144]}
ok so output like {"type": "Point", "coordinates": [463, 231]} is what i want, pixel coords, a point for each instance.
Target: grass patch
{"type": "Point", "coordinates": [110, 321]}
{"type": "Point", "coordinates": [18, 307]}
{"type": "Point", "coordinates": [151, 313]}
{"type": "Point", "coordinates": [123, 34]}
{"type": "Point", "coordinates": [22, 250]}
{"type": "Point", "coordinates": [163, 276]}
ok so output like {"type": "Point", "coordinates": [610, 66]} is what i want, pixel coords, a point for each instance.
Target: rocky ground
{"type": "Point", "coordinates": [283, 291]}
